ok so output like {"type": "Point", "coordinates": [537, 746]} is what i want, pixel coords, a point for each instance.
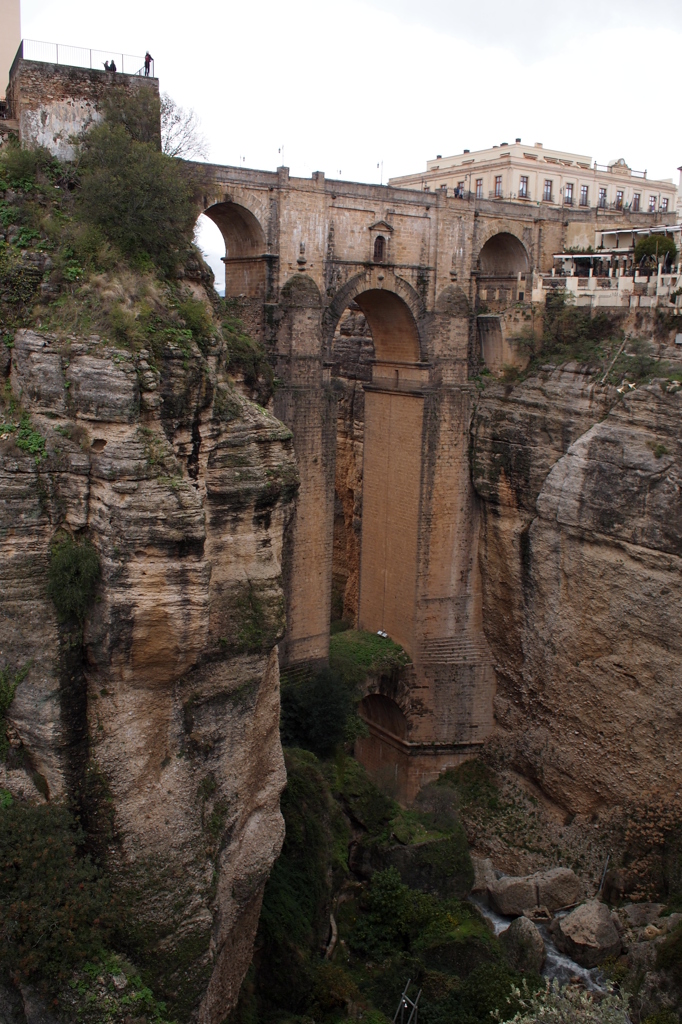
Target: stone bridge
{"type": "Point", "coordinates": [302, 257]}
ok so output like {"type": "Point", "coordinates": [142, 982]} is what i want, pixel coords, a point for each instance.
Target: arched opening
{"type": "Point", "coordinates": [244, 249]}
{"type": "Point", "coordinates": [379, 249]}
{"type": "Point", "coordinates": [209, 239]}
{"type": "Point", "coordinates": [503, 255]}
{"type": "Point", "coordinates": [381, 711]}
{"type": "Point", "coordinates": [375, 356]}
{"type": "Point", "coordinates": [393, 327]}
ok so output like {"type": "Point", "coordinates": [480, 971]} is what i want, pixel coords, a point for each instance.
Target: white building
{"type": "Point", "coordinates": [533, 174]}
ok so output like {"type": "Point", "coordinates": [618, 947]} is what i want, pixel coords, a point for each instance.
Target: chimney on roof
{"type": "Point", "coordinates": [538, 145]}
{"type": "Point", "coordinates": [504, 143]}
{"type": "Point", "coordinates": [439, 156]}
{"type": "Point", "coordinates": [518, 140]}
{"type": "Point", "coordinates": [467, 150]}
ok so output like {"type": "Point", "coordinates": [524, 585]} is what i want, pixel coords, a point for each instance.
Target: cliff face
{"type": "Point", "coordinates": [581, 547]}
{"type": "Point", "coordinates": [161, 716]}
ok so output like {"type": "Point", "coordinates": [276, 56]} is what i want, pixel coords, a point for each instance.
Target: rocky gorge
{"type": "Point", "coordinates": [146, 494]}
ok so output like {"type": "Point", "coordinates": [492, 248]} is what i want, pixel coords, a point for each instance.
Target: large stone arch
{"type": "Point", "coordinates": [393, 309]}
{"type": "Point", "coordinates": [245, 249]}
{"type": "Point", "coordinates": [503, 254]}
{"type": "Point", "coordinates": [383, 712]}
{"type": "Point", "coordinates": [392, 447]}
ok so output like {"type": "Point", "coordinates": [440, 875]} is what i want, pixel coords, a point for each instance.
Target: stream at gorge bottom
{"type": "Point", "coordinates": [557, 965]}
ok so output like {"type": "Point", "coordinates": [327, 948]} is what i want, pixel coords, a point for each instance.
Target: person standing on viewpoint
{"type": "Point", "coordinates": [147, 63]}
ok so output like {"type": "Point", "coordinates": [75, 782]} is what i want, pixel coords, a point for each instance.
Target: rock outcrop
{"type": "Point", "coordinates": [581, 550]}
{"type": "Point", "coordinates": [523, 945]}
{"type": "Point", "coordinates": [552, 890]}
{"type": "Point", "coordinates": [161, 715]}
{"type": "Point", "coordinates": [588, 934]}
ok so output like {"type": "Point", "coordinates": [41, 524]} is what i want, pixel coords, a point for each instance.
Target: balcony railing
{"type": "Point", "coordinates": [80, 57]}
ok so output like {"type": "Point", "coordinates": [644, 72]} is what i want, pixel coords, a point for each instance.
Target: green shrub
{"type": "Point", "coordinates": [137, 111]}
{"type": "Point", "coordinates": [20, 167]}
{"type": "Point", "coordinates": [355, 654]}
{"type": "Point", "coordinates": [574, 332]}
{"type": "Point", "coordinates": [364, 802]}
{"type": "Point", "coordinates": [475, 784]}
{"type": "Point", "coordinates": [655, 246]}
{"type": "Point", "coordinates": [72, 578]}
{"type": "Point", "coordinates": [196, 315]}
{"type": "Point", "coordinates": [56, 910]}
{"type": "Point", "coordinates": [29, 440]}
{"type": "Point", "coordinates": [8, 684]}
{"type": "Point", "coordinates": [296, 896]}
{"type": "Point", "coordinates": [315, 712]}
{"type": "Point", "coordinates": [140, 199]}
{"type": "Point", "coordinates": [568, 1005]}
{"type": "Point", "coordinates": [247, 357]}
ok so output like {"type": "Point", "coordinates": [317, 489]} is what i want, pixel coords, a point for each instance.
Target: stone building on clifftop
{"type": "Point", "coordinates": [532, 174]}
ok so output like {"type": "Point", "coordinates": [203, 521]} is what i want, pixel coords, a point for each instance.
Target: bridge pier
{"type": "Point", "coordinates": [310, 252]}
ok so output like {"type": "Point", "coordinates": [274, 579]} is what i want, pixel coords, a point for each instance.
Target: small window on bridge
{"type": "Point", "coordinates": [379, 249]}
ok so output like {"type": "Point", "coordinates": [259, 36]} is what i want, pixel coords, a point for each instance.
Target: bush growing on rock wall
{"type": "Point", "coordinates": [21, 167]}
{"type": "Point", "coordinates": [56, 910]}
{"type": "Point", "coordinates": [138, 111]}
{"type": "Point", "coordinates": [139, 198]}
{"type": "Point", "coordinates": [575, 333]}
{"type": "Point", "coordinates": [9, 681]}
{"type": "Point", "coordinates": [72, 578]}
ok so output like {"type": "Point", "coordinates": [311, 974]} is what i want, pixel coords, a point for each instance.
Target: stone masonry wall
{"type": "Point", "coordinates": [54, 103]}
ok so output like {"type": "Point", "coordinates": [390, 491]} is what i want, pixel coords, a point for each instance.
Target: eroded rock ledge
{"type": "Point", "coordinates": [163, 721]}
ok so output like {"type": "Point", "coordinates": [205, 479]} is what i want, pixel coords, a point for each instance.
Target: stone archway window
{"type": "Point", "coordinates": [379, 249]}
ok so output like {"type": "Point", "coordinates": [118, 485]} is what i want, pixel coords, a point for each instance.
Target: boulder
{"type": "Point", "coordinates": [484, 873]}
{"type": "Point", "coordinates": [557, 888]}
{"type": "Point", "coordinates": [523, 946]}
{"type": "Point", "coordinates": [552, 889]}
{"type": "Point", "coordinates": [639, 915]}
{"type": "Point", "coordinates": [511, 896]}
{"type": "Point", "coordinates": [588, 934]}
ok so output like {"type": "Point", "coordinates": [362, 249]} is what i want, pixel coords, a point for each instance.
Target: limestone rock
{"type": "Point", "coordinates": [551, 889]}
{"type": "Point", "coordinates": [510, 896]}
{"type": "Point", "coordinates": [557, 888]}
{"type": "Point", "coordinates": [588, 934]}
{"type": "Point", "coordinates": [484, 873]}
{"type": "Point", "coordinates": [581, 559]}
{"type": "Point", "coordinates": [173, 699]}
{"type": "Point", "coordinates": [523, 945]}
{"type": "Point", "coordinates": [639, 915]}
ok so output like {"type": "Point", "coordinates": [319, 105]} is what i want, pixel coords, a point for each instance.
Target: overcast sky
{"type": "Point", "coordinates": [343, 86]}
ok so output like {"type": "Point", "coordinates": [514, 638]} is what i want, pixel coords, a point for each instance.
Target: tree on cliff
{"type": "Point", "coordinates": [139, 198]}
{"type": "Point", "coordinates": [180, 133]}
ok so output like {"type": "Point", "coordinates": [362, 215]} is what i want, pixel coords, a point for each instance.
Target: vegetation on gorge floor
{"type": "Point", "coordinates": [341, 840]}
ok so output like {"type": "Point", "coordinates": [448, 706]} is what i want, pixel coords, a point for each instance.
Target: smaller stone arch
{"type": "Point", "coordinates": [452, 301]}
{"type": "Point", "coordinates": [393, 309]}
{"type": "Point", "coordinates": [503, 255]}
{"type": "Point", "coordinates": [301, 291]}
{"type": "Point", "coordinates": [381, 711]}
{"type": "Point", "coordinates": [245, 249]}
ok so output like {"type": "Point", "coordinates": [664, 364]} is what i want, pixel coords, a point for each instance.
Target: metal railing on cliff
{"type": "Point", "coordinates": [81, 57]}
